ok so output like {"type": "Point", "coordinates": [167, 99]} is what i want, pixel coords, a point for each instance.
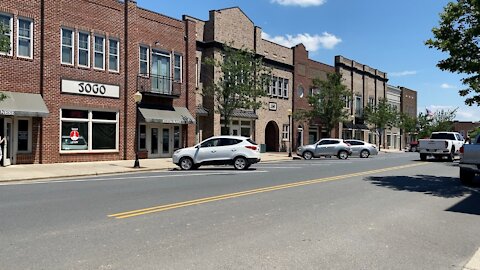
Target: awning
{"type": "Point", "coordinates": [23, 104]}
{"type": "Point", "coordinates": [201, 111]}
{"type": "Point", "coordinates": [361, 126]}
{"type": "Point", "coordinates": [179, 115]}
{"type": "Point", "coordinates": [244, 114]}
{"type": "Point", "coordinates": [348, 125]}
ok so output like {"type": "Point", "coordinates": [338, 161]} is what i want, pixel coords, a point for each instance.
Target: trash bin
{"type": "Point", "coordinates": [263, 148]}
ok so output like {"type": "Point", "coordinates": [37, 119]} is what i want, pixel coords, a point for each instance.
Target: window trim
{"type": "Point", "coordinates": [117, 55]}
{"type": "Point", "coordinates": [140, 60]}
{"type": "Point", "coordinates": [30, 37]}
{"type": "Point", "coordinates": [90, 121]}
{"type": "Point", "coordinates": [180, 68]}
{"type": "Point", "coordinates": [286, 83]}
{"type": "Point", "coordinates": [88, 49]}
{"type": "Point", "coordinates": [286, 132]}
{"type": "Point", "coordinates": [95, 52]}
{"type": "Point", "coordinates": [72, 46]}
{"type": "Point", "coordinates": [10, 53]}
{"type": "Point", "coordinates": [30, 129]}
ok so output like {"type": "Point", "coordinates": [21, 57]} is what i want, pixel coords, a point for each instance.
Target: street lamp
{"type": "Point", "coordinates": [138, 98]}
{"type": "Point", "coordinates": [289, 132]}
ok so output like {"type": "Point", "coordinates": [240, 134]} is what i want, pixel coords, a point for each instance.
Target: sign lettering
{"type": "Point", "coordinates": [90, 88]}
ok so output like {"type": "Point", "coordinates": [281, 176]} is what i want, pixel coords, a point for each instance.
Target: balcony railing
{"type": "Point", "coordinates": [158, 84]}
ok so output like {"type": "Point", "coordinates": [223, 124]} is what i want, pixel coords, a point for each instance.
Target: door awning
{"type": "Point", "coordinates": [23, 104]}
{"type": "Point", "coordinates": [179, 115]}
{"type": "Point", "coordinates": [361, 126]}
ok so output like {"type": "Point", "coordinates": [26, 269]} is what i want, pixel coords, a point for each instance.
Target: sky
{"type": "Point", "coordinates": [386, 35]}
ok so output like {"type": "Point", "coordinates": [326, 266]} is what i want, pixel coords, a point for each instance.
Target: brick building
{"type": "Point", "coordinates": [367, 85]}
{"type": "Point", "coordinates": [465, 127]}
{"type": "Point", "coordinates": [267, 125]}
{"type": "Point", "coordinates": [394, 134]}
{"type": "Point", "coordinates": [306, 70]}
{"type": "Point", "coordinates": [72, 73]}
{"type": "Point", "coordinates": [409, 107]}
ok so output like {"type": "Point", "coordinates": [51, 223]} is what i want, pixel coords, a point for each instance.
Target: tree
{"type": "Point", "coordinates": [244, 79]}
{"type": "Point", "coordinates": [442, 120]}
{"type": "Point", "coordinates": [408, 125]}
{"type": "Point", "coordinates": [4, 46]}
{"type": "Point", "coordinates": [457, 35]}
{"type": "Point", "coordinates": [328, 102]}
{"type": "Point", "coordinates": [382, 115]}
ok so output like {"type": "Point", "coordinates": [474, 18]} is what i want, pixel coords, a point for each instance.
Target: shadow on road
{"type": "Point", "coordinates": [439, 186]}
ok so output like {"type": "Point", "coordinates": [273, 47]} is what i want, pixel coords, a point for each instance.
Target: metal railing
{"type": "Point", "coordinates": [158, 84]}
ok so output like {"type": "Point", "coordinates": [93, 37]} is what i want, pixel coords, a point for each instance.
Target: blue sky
{"type": "Point", "coordinates": [387, 35]}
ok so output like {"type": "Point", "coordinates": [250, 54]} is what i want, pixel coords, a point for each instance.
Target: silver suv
{"type": "Point", "coordinates": [325, 147]}
{"type": "Point", "coordinates": [241, 152]}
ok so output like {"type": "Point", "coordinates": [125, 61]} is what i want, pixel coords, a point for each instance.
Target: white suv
{"type": "Point", "coordinates": [238, 151]}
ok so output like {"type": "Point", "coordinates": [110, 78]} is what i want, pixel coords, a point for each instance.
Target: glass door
{"type": "Point", "coordinates": [153, 142]}
{"type": "Point", "coordinates": [161, 73]}
{"type": "Point", "coordinates": [7, 144]}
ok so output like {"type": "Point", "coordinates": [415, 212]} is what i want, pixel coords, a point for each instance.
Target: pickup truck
{"type": "Point", "coordinates": [441, 144]}
{"type": "Point", "coordinates": [470, 161]}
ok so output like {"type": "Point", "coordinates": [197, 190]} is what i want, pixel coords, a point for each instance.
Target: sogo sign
{"type": "Point", "coordinates": [90, 88]}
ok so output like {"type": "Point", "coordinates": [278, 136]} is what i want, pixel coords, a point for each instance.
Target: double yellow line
{"type": "Point", "coordinates": [166, 207]}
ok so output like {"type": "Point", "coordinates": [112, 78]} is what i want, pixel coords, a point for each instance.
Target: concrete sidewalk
{"type": "Point", "coordinates": [64, 170]}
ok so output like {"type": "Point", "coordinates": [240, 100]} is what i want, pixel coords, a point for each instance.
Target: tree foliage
{"type": "Point", "coordinates": [328, 102]}
{"type": "Point", "coordinates": [4, 46]}
{"type": "Point", "coordinates": [442, 120]}
{"type": "Point", "coordinates": [459, 35]}
{"type": "Point", "coordinates": [407, 123]}
{"type": "Point", "coordinates": [382, 115]}
{"type": "Point", "coordinates": [243, 81]}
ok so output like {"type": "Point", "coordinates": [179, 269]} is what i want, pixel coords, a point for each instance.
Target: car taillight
{"type": "Point", "coordinates": [461, 150]}
{"type": "Point", "coordinates": [251, 147]}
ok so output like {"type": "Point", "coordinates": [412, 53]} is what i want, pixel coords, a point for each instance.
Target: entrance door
{"type": "Point", "coordinates": [163, 140]}
{"type": "Point", "coordinates": [7, 144]}
{"type": "Point", "coordinates": [160, 73]}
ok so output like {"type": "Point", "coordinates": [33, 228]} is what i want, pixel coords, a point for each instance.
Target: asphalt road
{"type": "Point", "coordinates": [386, 212]}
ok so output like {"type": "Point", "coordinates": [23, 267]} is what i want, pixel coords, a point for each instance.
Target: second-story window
{"type": "Point", "coordinates": [144, 60]}
{"type": "Point", "coordinates": [25, 38]}
{"type": "Point", "coordinates": [83, 49]}
{"type": "Point", "coordinates": [358, 105]}
{"type": "Point", "coordinates": [177, 68]}
{"type": "Point", "coordinates": [67, 46]}
{"type": "Point", "coordinates": [7, 22]}
{"type": "Point", "coordinates": [285, 88]}
{"type": "Point", "coordinates": [113, 53]}
{"type": "Point", "coordinates": [99, 53]}
{"type": "Point", "coordinates": [274, 86]}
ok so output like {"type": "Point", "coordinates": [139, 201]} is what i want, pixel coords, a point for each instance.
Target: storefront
{"type": "Point", "coordinates": [19, 120]}
{"type": "Point", "coordinates": [161, 132]}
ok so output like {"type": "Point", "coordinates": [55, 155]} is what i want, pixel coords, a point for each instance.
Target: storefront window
{"type": "Point", "coordinates": [143, 137]}
{"type": "Point", "coordinates": [23, 136]}
{"type": "Point", "coordinates": [88, 130]}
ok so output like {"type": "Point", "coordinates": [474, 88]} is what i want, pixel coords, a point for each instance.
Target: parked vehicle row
{"type": "Point", "coordinates": [242, 152]}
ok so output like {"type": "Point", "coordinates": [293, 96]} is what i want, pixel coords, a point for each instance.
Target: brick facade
{"type": "Point", "coordinates": [123, 22]}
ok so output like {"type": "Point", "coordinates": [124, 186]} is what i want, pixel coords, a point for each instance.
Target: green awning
{"type": "Point", "coordinates": [23, 104]}
{"type": "Point", "coordinates": [179, 115]}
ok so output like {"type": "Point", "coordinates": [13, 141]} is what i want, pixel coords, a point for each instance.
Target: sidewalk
{"type": "Point", "coordinates": [63, 170]}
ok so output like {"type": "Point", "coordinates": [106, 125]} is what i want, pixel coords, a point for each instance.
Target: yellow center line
{"type": "Point", "coordinates": [165, 207]}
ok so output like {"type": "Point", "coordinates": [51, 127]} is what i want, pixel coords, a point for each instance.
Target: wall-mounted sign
{"type": "Point", "coordinates": [6, 112]}
{"type": "Point", "coordinates": [90, 88]}
{"type": "Point", "coordinates": [272, 106]}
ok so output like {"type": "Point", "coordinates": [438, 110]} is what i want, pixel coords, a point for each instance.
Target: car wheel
{"type": "Point", "coordinates": [186, 163]}
{"type": "Point", "coordinates": [307, 155]}
{"type": "Point", "coordinates": [240, 163]}
{"type": "Point", "coordinates": [342, 155]}
{"type": "Point", "coordinates": [451, 157]}
{"type": "Point", "coordinates": [466, 176]}
{"type": "Point", "coordinates": [423, 157]}
{"type": "Point", "coordinates": [364, 154]}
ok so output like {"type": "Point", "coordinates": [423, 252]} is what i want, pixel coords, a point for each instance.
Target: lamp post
{"type": "Point", "coordinates": [138, 98]}
{"type": "Point", "coordinates": [290, 132]}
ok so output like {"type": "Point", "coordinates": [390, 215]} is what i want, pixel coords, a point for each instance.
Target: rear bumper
{"type": "Point", "coordinates": [471, 167]}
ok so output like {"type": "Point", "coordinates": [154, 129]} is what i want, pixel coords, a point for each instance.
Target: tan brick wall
{"type": "Point", "coordinates": [233, 25]}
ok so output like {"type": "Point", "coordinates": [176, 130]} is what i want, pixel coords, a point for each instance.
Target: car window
{"type": "Point", "coordinates": [323, 142]}
{"type": "Point", "coordinates": [228, 141]}
{"type": "Point", "coordinates": [443, 136]}
{"type": "Point", "coordinates": [211, 143]}
{"type": "Point", "coordinates": [251, 141]}
{"type": "Point", "coordinates": [354, 142]}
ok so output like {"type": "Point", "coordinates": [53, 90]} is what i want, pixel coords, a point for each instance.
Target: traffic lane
{"type": "Point", "coordinates": [90, 201]}
{"type": "Point", "coordinates": [352, 223]}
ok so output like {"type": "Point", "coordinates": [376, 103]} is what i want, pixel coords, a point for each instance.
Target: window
{"type": "Point", "coordinates": [113, 52]}
{"type": "Point", "coordinates": [144, 56]}
{"type": "Point", "coordinates": [67, 46]}
{"type": "Point", "coordinates": [99, 53]}
{"type": "Point", "coordinates": [84, 49]}
{"type": "Point", "coordinates": [211, 143]}
{"type": "Point", "coordinates": [227, 142]}
{"type": "Point", "coordinates": [371, 101]}
{"type": "Point", "coordinates": [300, 91]}
{"type": "Point", "coordinates": [25, 38]}
{"type": "Point", "coordinates": [83, 130]}
{"type": "Point", "coordinates": [177, 68]}
{"type": "Point", "coordinates": [285, 88]}
{"type": "Point", "coordinates": [142, 139]}
{"type": "Point", "coordinates": [24, 136]}
{"type": "Point", "coordinates": [358, 105]}
{"type": "Point", "coordinates": [279, 86]}
{"type": "Point", "coordinates": [7, 22]}
{"type": "Point", "coordinates": [347, 101]}
{"type": "Point", "coordinates": [197, 72]}
{"type": "Point", "coordinates": [274, 86]}
{"type": "Point", "coordinates": [285, 132]}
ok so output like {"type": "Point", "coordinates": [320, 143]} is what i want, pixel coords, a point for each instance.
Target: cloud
{"type": "Point", "coordinates": [447, 86]}
{"type": "Point", "coordinates": [312, 42]}
{"type": "Point", "coordinates": [302, 3]}
{"type": "Point", "coordinates": [463, 113]}
{"type": "Point", "coordinates": [403, 73]}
